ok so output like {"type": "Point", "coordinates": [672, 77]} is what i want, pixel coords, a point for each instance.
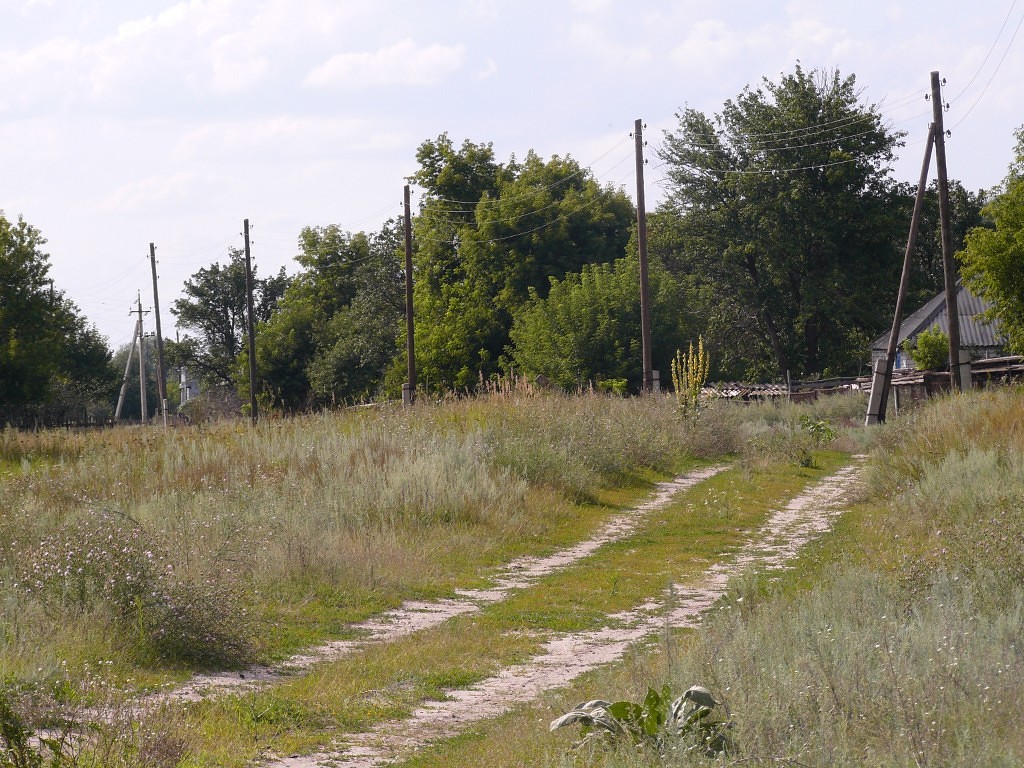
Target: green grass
{"type": "Point", "coordinates": [673, 543]}
{"type": "Point", "coordinates": [304, 526]}
{"type": "Point", "coordinates": [894, 641]}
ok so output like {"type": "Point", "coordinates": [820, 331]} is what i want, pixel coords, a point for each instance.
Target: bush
{"type": "Point", "coordinates": [930, 352]}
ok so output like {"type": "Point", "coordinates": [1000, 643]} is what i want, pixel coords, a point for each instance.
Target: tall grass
{"type": "Point", "coordinates": [897, 642]}
{"type": "Point", "coordinates": [298, 525]}
{"type": "Point", "coordinates": [161, 551]}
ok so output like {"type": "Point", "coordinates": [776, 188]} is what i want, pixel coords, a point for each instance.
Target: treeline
{"type": "Point", "coordinates": [779, 243]}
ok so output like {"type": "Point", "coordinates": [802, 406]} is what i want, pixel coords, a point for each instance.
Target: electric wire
{"type": "Point", "coordinates": [994, 73]}
{"type": "Point", "coordinates": [583, 169]}
{"type": "Point", "coordinates": [991, 48]}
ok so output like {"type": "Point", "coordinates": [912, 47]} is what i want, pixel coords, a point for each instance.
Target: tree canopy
{"type": "Point", "coordinates": [488, 234]}
{"type": "Point", "coordinates": [53, 363]}
{"type": "Point", "coordinates": [587, 330]}
{"type": "Point", "coordinates": [213, 310]}
{"type": "Point", "coordinates": [993, 257]}
{"type": "Point", "coordinates": [781, 220]}
{"type": "Point", "coordinates": [334, 333]}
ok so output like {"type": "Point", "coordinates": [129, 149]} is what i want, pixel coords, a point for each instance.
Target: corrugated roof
{"type": "Point", "coordinates": [973, 331]}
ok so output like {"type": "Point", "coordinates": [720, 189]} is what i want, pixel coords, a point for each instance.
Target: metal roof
{"type": "Point", "coordinates": [974, 332]}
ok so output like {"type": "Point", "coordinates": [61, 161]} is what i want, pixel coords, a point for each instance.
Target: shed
{"type": "Point", "coordinates": [981, 339]}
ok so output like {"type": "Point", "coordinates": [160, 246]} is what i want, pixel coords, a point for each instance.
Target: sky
{"type": "Point", "coordinates": [129, 123]}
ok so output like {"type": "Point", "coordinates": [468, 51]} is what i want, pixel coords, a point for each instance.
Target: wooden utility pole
{"type": "Point", "coordinates": [948, 269]}
{"type": "Point", "coordinates": [250, 326]}
{"type": "Point", "coordinates": [161, 375]}
{"type": "Point", "coordinates": [409, 389]}
{"type": "Point", "coordinates": [142, 367]}
{"type": "Point", "coordinates": [641, 225]}
{"type": "Point", "coordinates": [882, 380]}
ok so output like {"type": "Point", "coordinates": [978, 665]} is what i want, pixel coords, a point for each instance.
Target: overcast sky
{"type": "Point", "coordinates": [124, 123]}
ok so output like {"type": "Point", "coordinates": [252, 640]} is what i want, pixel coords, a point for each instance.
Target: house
{"type": "Point", "coordinates": [980, 339]}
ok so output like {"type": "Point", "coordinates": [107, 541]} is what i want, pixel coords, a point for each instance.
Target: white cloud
{"type": "Point", "coordinates": [590, 6]}
{"type": "Point", "coordinates": [594, 42]}
{"type": "Point", "coordinates": [153, 193]}
{"type": "Point", "coordinates": [403, 63]}
{"type": "Point", "coordinates": [708, 46]}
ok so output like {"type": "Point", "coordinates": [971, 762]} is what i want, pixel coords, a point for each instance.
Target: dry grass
{"type": "Point", "coordinates": [287, 532]}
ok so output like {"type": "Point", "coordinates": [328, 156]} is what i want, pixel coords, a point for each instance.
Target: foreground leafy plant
{"type": "Point", "coordinates": [657, 721]}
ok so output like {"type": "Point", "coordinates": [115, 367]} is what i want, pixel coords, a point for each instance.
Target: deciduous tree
{"type": "Point", "coordinates": [53, 363]}
{"type": "Point", "coordinates": [335, 331]}
{"type": "Point", "coordinates": [587, 329]}
{"type": "Point", "coordinates": [212, 312]}
{"type": "Point", "coordinates": [488, 234]}
{"type": "Point", "coordinates": [786, 228]}
{"type": "Point", "coordinates": [993, 257]}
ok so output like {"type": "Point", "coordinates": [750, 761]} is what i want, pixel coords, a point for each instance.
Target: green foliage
{"type": "Point", "coordinates": [929, 350]}
{"type": "Point", "coordinates": [53, 364]}
{"type": "Point", "coordinates": [818, 429]}
{"type": "Point", "coordinates": [782, 220]}
{"type": "Point", "coordinates": [213, 309]}
{"type": "Point", "coordinates": [334, 333]}
{"type": "Point", "coordinates": [657, 720]}
{"type": "Point", "coordinates": [689, 374]}
{"type": "Point", "coordinates": [993, 258]}
{"type": "Point", "coordinates": [587, 329]}
{"type": "Point", "coordinates": [486, 236]}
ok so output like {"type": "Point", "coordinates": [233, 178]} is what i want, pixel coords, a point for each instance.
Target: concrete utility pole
{"type": "Point", "coordinates": [251, 327]}
{"type": "Point", "coordinates": [409, 388]}
{"type": "Point", "coordinates": [142, 367]}
{"type": "Point", "coordinates": [641, 225]}
{"type": "Point", "coordinates": [136, 334]}
{"type": "Point", "coordinates": [948, 269]}
{"type": "Point", "coordinates": [882, 379]}
{"type": "Point", "coordinates": [161, 375]}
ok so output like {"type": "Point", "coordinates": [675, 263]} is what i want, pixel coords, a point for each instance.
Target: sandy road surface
{"type": "Point", "coordinates": [567, 656]}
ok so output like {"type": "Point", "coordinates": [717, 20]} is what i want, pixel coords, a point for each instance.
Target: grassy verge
{"type": "Point", "coordinates": [231, 544]}
{"type": "Point", "coordinates": [386, 682]}
{"type": "Point", "coordinates": [895, 641]}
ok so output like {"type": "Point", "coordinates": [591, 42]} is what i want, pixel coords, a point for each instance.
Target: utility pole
{"type": "Point", "coordinates": [882, 380]}
{"type": "Point", "coordinates": [251, 326]}
{"type": "Point", "coordinates": [161, 375]}
{"type": "Point", "coordinates": [952, 310]}
{"type": "Point", "coordinates": [409, 388]}
{"type": "Point", "coordinates": [142, 367]}
{"type": "Point", "coordinates": [127, 367]}
{"type": "Point", "coordinates": [641, 225]}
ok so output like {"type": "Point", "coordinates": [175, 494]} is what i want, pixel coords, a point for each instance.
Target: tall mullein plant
{"type": "Point", "coordinates": [689, 373]}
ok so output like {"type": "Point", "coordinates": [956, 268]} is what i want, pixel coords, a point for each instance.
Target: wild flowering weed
{"type": "Point", "coordinates": [108, 562]}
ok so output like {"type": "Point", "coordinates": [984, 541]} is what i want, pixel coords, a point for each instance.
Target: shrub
{"type": "Point", "coordinates": [930, 352]}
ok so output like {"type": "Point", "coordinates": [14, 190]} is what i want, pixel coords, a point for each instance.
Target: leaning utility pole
{"type": "Point", "coordinates": [641, 226]}
{"type": "Point", "coordinates": [409, 388]}
{"type": "Point", "coordinates": [142, 367]}
{"type": "Point", "coordinates": [882, 379]}
{"type": "Point", "coordinates": [127, 367]}
{"type": "Point", "coordinates": [948, 269]}
{"type": "Point", "coordinates": [251, 326]}
{"type": "Point", "coordinates": [161, 376]}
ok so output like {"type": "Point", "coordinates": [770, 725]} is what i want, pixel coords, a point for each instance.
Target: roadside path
{"type": "Point", "coordinates": [416, 616]}
{"type": "Point", "coordinates": [567, 656]}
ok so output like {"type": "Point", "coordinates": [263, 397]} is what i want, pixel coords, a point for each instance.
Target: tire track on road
{"type": "Point", "coordinates": [566, 657]}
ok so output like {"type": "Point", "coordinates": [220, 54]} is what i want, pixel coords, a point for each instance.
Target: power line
{"type": "Point", "coordinates": [991, 48]}
{"type": "Point", "coordinates": [994, 73]}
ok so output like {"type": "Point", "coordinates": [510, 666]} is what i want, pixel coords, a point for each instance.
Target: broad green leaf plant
{"type": "Point", "coordinates": [657, 721]}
